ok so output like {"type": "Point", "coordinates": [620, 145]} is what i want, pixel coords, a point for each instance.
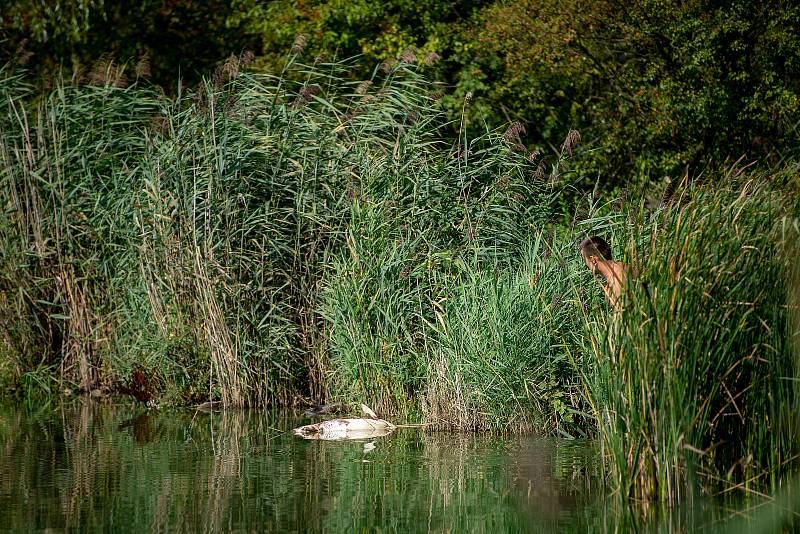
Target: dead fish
{"type": "Point", "coordinates": [352, 428]}
{"type": "Point", "coordinates": [349, 428]}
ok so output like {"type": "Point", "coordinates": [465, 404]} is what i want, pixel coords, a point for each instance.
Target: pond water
{"type": "Point", "coordinates": [94, 465]}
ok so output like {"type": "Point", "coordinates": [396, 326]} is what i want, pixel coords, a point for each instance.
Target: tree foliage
{"type": "Point", "coordinates": [180, 39]}
{"type": "Point", "coordinates": [654, 86]}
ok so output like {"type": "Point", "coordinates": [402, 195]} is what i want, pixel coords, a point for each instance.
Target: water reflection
{"type": "Point", "coordinates": [91, 464]}
{"type": "Point", "coordinates": [554, 477]}
{"type": "Point", "coordinates": [140, 427]}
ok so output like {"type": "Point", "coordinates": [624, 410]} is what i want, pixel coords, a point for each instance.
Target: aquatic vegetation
{"type": "Point", "coordinates": [452, 300]}
{"type": "Point", "coordinates": [278, 240]}
{"type": "Point", "coordinates": [696, 380]}
{"type": "Point", "coordinates": [258, 240]}
{"type": "Point", "coordinates": [178, 238]}
{"type": "Point", "coordinates": [509, 342]}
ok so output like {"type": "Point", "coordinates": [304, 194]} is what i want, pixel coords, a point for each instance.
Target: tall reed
{"type": "Point", "coordinates": [509, 344]}
{"type": "Point", "coordinates": [430, 252]}
{"type": "Point", "coordinates": [182, 241]}
{"type": "Point", "coordinates": [178, 248]}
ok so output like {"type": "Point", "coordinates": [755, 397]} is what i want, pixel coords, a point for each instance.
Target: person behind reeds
{"type": "Point", "coordinates": [596, 252]}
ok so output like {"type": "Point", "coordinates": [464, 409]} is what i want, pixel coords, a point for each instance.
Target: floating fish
{"type": "Point", "coordinates": [349, 428]}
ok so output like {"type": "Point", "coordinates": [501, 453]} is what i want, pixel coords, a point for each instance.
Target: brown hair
{"type": "Point", "coordinates": [595, 246]}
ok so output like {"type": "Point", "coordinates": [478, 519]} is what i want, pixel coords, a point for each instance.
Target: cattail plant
{"type": "Point", "coordinates": [693, 382]}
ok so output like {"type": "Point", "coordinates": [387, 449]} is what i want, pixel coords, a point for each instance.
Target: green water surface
{"type": "Point", "coordinates": [99, 465]}
{"type": "Point", "coordinates": [96, 465]}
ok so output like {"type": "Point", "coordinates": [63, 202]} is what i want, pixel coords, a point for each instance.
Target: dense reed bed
{"type": "Point", "coordinates": [492, 345]}
{"type": "Point", "coordinates": [697, 377]}
{"type": "Point", "coordinates": [275, 240]}
{"type": "Point", "coordinates": [209, 246]}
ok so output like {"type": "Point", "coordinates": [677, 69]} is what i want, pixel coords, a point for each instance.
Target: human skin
{"type": "Point", "coordinates": [615, 274]}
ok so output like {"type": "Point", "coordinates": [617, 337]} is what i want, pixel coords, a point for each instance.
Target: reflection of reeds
{"type": "Point", "coordinates": [84, 461]}
{"type": "Point", "coordinates": [225, 476]}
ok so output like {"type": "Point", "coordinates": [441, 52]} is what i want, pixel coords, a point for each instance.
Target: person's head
{"type": "Point", "coordinates": [594, 250]}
